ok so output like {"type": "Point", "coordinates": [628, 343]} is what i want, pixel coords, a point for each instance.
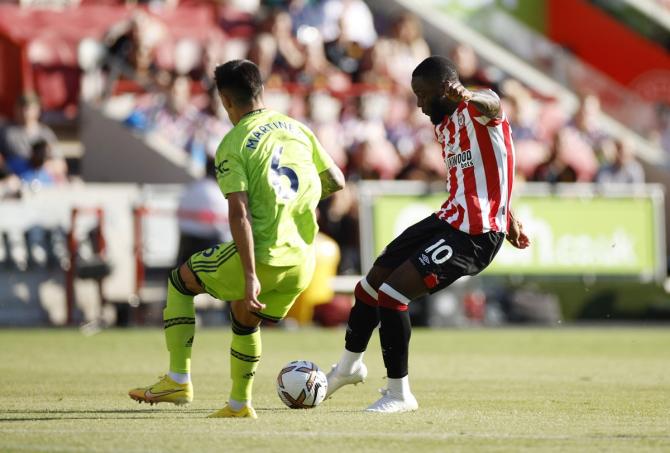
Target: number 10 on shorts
{"type": "Point", "coordinates": [440, 253]}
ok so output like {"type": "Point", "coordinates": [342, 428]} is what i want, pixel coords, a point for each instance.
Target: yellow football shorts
{"type": "Point", "coordinates": [220, 272]}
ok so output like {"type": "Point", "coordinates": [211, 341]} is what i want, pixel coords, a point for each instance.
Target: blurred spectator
{"type": "Point", "coordinates": [131, 46]}
{"type": "Point", "coordinates": [37, 174]}
{"type": "Point", "coordinates": [469, 69]}
{"type": "Point", "coordinates": [356, 23]}
{"type": "Point", "coordinates": [285, 52]}
{"type": "Point", "coordinates": [10, 184]}
{"type": "Point", "coordinates": [17, 140]}
{"type": "Point", "coordinates": [324, 116]}
{"type": "Point", "coordinates": [375, 67]}
{"type": "Point", "coordinates": [339, 220]}
{"type": "Point", "coordinates": [623, 169]}
{"type": "Point", "coordinates": [203, 215]}
{"type": "Point", "coordinates": [174, 117]}
{"type": "Point", "coordinates": [374, 158]}
{"type": "Point", "coordinates": [324, 15]}
{"type": "Point", "coordinates": [90, 55]}
{"type": "Point", "coordinates": [425, 164]}
{"type": "Point", "coordinates": [177, 118]}
{"type": "Point", "coordinates": [407, 48]}
{"type": "Point", "coordinates": [356, 34]}
{"type": "Point", "coordinates": [555, 169]}
{"type": "Point", "coordinates": [214, 123]}
{"type": "Point", "coordinates": [522, 112]}
{"type": "Point", "coordinates": [578, 153]}
{"type": "Point", "coordinates": [318, 71]}
{"type": "Point", "coordinates": [263, 52]}
{"type": "Point", "coordinates": [585, 123]}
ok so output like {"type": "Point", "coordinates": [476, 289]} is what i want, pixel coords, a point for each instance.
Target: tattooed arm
{"type": "Point", "coordinates": [486, 101]}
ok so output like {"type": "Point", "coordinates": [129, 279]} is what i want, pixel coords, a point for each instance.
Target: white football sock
{"type": "Point", "coordinates": [349, 362]}
{"type": "Point", "coordinates": [399, 387]}
{"type": "Point", "coordinates": [236, 405]}
{"type": "Point", "coordinates": [180, 378]}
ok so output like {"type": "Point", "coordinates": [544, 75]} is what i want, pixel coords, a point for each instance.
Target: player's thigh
{"type": "Point", "coordinates": [219, 271]}
{"type": "Point", "coordinates": [377, 275]}
{"type": "Point", "coordinates": [402, 248]}
{"type": "Point", "coordinates": [280, 287]}
{"type": "Point", "coordinates": [449, 255]}
{"type": "Point", "coordinates": [277, 304]}
{"type": "Point", "coordinates": [407, 280]}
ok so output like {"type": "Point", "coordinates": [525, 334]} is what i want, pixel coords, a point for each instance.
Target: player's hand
{"type": "Point", "coordinates": [516, 236]}
{"type": "Point", "coordinates": [253, 289]}
{"type": "Point", "coordinates": [456, 92]}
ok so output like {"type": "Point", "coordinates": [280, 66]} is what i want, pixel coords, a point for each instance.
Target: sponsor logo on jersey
{"type": "Point", "coordinates": [221, 167]}
{"type": "Point", "coordinates": [461, 119]}
{"type": "Point", "coordinates": [464, 159]}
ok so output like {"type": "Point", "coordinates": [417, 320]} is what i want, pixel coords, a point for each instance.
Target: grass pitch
{"type": "Point", "coordinates": [569, 389]}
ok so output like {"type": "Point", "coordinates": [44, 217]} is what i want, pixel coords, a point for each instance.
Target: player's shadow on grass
{"type": "Point", "coordinates": [102, 411]}
{"type": "Point", "coordinates": [51, 419]}
{"type": "Point", "coordinates": [287, 409]}
{"type": "Point", "coordinates": [110, 414]}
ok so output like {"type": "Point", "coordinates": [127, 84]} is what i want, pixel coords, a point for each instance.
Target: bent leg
{"type": "Point", "coordinates": [179, 319]}
{"type": "Point", "coordinates": [401, 286]}
{"type": "Point", "coordinates": [363, 319]}
{"type": "Point", "coordinates": [364, 315]}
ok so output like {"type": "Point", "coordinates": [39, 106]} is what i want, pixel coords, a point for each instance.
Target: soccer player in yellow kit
{"type": "Point", "coordinates": [273, 171]}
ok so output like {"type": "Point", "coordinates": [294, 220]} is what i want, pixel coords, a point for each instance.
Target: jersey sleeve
{"type": "Point", "coordinates": [321, 158]}
{"type": "Point", "coordinates": [230, 169]}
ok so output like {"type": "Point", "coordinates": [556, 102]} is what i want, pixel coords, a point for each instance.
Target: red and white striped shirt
{"type": "Point", "coordinates": [479, 154]}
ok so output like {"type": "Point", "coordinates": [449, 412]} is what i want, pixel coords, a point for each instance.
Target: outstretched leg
{"type": "Point", "coordinates": [179, 325]}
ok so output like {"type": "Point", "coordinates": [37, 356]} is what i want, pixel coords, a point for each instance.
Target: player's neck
{"type": "Point", "coordinates": [450, 107]}
{"type": "Point", "coordinates": [441, 110]}
{"type": "Point", "coordinates": [248, 110]}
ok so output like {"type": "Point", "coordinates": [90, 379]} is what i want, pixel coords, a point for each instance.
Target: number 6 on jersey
{"type": "Point", "coordinates": [283, 191]}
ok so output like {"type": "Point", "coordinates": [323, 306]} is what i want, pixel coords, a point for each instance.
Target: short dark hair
{"type": "Point", "coordinates": [28, 98]}
{"type": "Point", "coordinates": [437, 68]}
{"type": "Point", "coordinates": [240, 79]}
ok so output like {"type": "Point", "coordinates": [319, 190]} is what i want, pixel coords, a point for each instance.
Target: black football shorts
{"type": "Point", "coordinates": [441, 253]}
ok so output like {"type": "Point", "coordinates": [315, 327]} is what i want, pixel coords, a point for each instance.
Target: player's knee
{"type": "Point", "coordinates": [190, 280]}
{"type": "Point", "coordinates": [366, 293]}
{"type": "Point", "coordinates": [393, 299]}
{"type": "Point", "coordinates": [240, 328]}
{"type": "Point", "coordinates": [243, 316]}
{"type": "Point", "coordinates": [178, 283]}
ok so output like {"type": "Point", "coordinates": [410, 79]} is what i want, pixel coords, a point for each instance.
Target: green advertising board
{"type": "Point", "coordinates": [572, 235]}
{"type": "Point", "coordinates": [530, 12]}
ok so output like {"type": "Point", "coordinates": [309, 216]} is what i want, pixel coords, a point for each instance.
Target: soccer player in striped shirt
{"type": "Point", "coordinates": [461, 238]}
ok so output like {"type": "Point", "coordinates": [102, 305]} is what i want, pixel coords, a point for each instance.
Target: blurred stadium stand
{"type": "Point", "coordinates": [127, 88]}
